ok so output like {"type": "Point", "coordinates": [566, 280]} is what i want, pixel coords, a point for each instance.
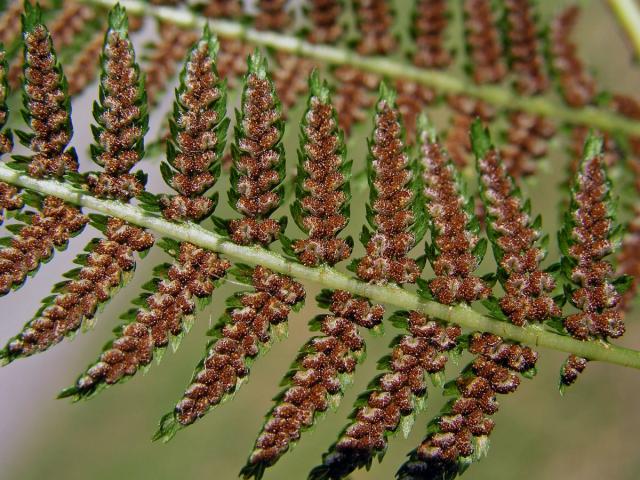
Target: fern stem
{"type": "Point", "coordinates": [501, 96]}
{"type": "Point", "coordinates": [628, 14]}
{"type": "Point", "coordinates": [326, 276]}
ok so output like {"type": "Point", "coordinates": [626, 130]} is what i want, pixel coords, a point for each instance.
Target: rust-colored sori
{"type": "Point", "coordinates": [516, 236]}
{"type": "Point", "coordinates": [239, 338]}
{"type": "Point", "coordinates": [324, 16]}
{"type": "Point", "coordinates": [122, 118]}
{"type": "Point", "coordinates": [576, 84]}
{"type": "Point", "coordinates": [258, 155]}
{"type": "Point", "coordinates": [77, 300]}
{"type": "Point", "coordinates": [323, 176]}
{"type": "Point", "coordinates": [393, 205]}
{"type": "Point", "coordinates": [587, 239]}
{"type": "Point", "coordinates": [464, 425]}
{"type": "Point", "coordinates": [48, 114]}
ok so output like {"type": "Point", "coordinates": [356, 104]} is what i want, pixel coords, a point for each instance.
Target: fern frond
{"type": "Point", "coordinates": [324, 16]}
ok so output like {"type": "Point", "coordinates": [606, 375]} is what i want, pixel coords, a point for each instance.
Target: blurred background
{"type": "Point", "coordinates": [590, 433]}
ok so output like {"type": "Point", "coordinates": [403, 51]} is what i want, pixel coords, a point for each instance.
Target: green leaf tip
{"type": "Point", "coordinates": [480, 139]}
{"type": "Point", "coordinates": [118, 20]}
{"type": "Point", "coordinates": [319, 88]}
{"type": "Point", "coordinates": [592, 146]}
{"type": "Point", "coordinates": [211, 39]}
{"type": "Point", "coordinates": [257, 64]}
{"type": "Point", "coordinates": [31, 17]}
{"type": "Point", "coordinates": [387, 94]}
{"type": "Point", "coordinates": [426, 129]}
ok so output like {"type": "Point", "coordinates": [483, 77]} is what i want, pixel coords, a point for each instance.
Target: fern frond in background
{"type": "Point", "coordinates": [464, 68]}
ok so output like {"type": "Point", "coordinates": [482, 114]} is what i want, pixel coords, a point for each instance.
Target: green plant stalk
{"type": "Point", "coordinates": [325, 276]}
{"type": "Point", "coordinates": [441, 81]}
{"type": "Point", "coordinates": [628, 14]}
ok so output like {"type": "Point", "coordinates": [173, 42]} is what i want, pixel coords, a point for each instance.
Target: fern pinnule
{"type": "Point", "coordinates": [272, 15]}
{"type": "Point", "coordinates": [588, 236]}
{"type": "Point", "coordinates": [169, 304]}
{"type": "Point", "coordinates": [375, 20]}
{"type": "Point", "coordinates": [319, 375]}
{"type": "Point", "coordinates": [321, 208]}
{"type": "Point", "coordinates": [524, 47]}
{"type": "Point", "coordinates": [456, 248]}
{"type": "Point", "coordinates": [527, 140]}
{"type": "Point", "coordinates": [258, 158]}
{"type": "Point", "coordinates": [324, 16]}
{"type": "Point", "coordinates": [483, 43]}
{"type": "Point", "coordinates": [516, 239]}
{"type": "Point", "coordinates": [459, 435]}
{"type": "Point", "coordinates": [199, 127]}
{"type": "Point", "coordinates": [575, 82]}
{"type": "Point", "coordinates": [121, 115]}
{"type": "Point", "coordinates": [354, 96]}
{"type": "Point", "coordinates": [430, 20]}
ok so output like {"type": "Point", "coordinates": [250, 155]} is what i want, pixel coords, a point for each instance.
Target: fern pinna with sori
{"type": "Point", "coordinates": [446, 302]}
{"type": "Point", "coordinates": [588, 237]}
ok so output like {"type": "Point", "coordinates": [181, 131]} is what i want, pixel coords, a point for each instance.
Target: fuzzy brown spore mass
{"type": "Point", "coordinates": [79, 298]}
{"type": "Point", "coordinates": [256, 162]}
{"type": "Point", "coordinates": [196, 143]}
{"type": "Point", "coordinates": [571, 369]}
{"type": "Point", "coordinates": [324, 196]}
{"type": "Point", "coordinates": [455, 262]}
{"type": "Point", "coordinates": [527, 140]}
{"type": "Point", "coordinates": [291, 78]}
{"type": "Point", "coordinates": [324, 16]}
{"type": "Point", "coordinates": [171, 48]}
{"type": "Point", "coordinates": [191, 276]}
{"type": "Point", "coordinates": [45, 101]}
{"type": "Point", "coordinates": [430, 23]}
{"type": "Point", "coordinates": [524, 47]}
{"type": "Point", "coordinates": [375, 22]}
{"type": "Point", "coordinates": [121, 134]}
{"type": "Point", "coordinates": [9, 26]}
{"type": "Point", "coordinates": [412, 100]}
{"type": "Point", "coordinates": [577, 85]}
{"type": "Point", "coordinates": [465, 110]}
{"type": "Point", "coordinates": [272, 15]}
{"type": "Point", "coordinates": [386, 259]}
{"type": "Point", "coordinates": [420, 351]}
{"type": "Point", "coordinates": [527, 289]}
{"type": "Point", "coordinates": [596, 297]}
{"type": "Point", "coordinates": [354, 95]}
{"type": "Point", "coordinates": [240, 339]}
{"type": "Point", "coordinates": [317, 377]}
{"type": "Point", "coordinates": [9, 199]}
{"type": "Point", "coordinates": [492, 372]}
{"type": "Point", "coordinates": [483, 42]}
{"type": "Point", "coordinates": [49, 228]}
